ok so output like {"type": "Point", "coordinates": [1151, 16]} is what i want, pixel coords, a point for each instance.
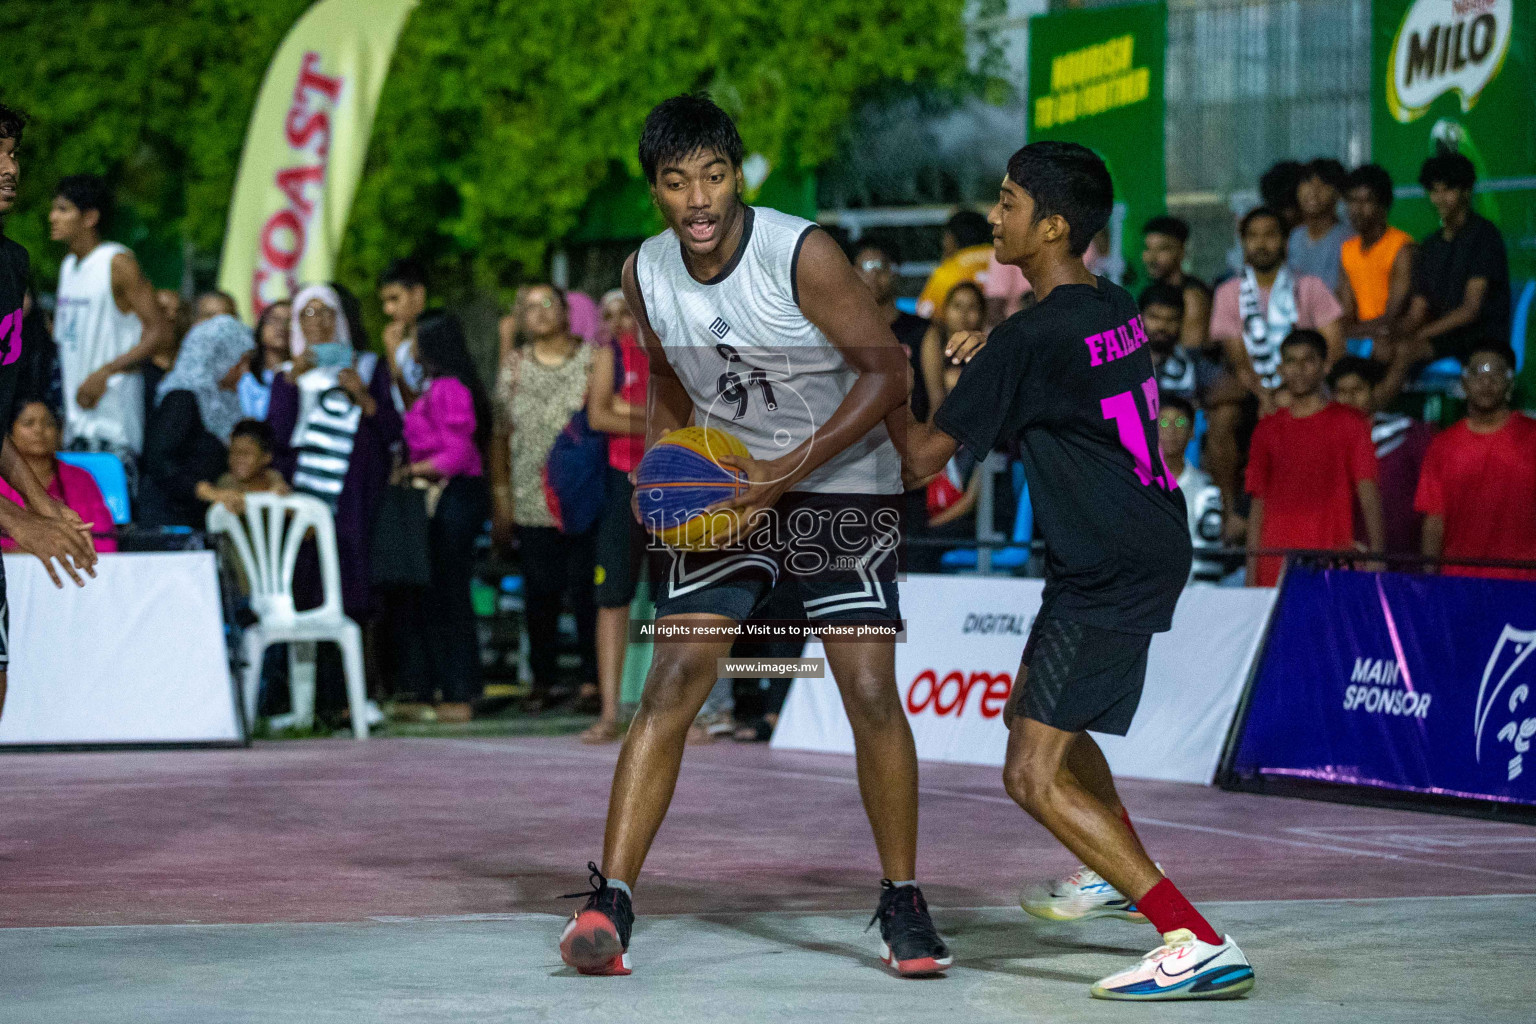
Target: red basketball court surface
{"type": "Point", "coordinates": [416, 880]}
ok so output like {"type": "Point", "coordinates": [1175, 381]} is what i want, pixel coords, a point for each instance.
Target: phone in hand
{"type": "Point", "coordinates": [332, 355]}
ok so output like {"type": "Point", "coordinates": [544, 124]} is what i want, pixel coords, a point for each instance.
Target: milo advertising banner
{"type": "Point", "coordinates": [1461, 75]}
{"type": "Point", "coordinates": [1096, 78]}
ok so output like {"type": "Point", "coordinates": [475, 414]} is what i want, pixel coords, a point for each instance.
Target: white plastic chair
{"type": "Point", "coordinates": [268, 542]}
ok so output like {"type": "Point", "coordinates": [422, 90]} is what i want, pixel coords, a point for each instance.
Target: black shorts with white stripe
{"type": "Point", "coordinates": [839, 551]}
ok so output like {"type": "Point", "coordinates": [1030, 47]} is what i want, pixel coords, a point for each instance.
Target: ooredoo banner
{"type": "Point", "coordinates": [304, 149]}
{"type": "Point", "coordinates": [964, 638]}
{"type": "Point", "coordinates": [1417, 683]}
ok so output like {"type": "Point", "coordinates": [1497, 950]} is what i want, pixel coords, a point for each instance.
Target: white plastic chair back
{"type": "Point", "coordinates": [268, 542]}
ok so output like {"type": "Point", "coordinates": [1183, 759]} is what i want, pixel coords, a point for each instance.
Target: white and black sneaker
{"type": "Point", "coordinates": [1183, 967]}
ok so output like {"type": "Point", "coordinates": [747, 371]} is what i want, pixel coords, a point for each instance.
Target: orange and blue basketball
{"type": "Point", "coordinates": [679, 478]}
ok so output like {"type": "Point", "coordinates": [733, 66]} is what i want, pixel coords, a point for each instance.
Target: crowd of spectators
{"type": "Point", "coordinates": [1286, 415]}
{"type": "Point", "coordinates": [1293, 390]}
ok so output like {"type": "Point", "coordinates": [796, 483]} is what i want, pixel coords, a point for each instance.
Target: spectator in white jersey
{"type": "Point", "coordinates": [336, 425]}
{"type": "Point", "coordinates": [107, 324]}
{"type": "Point", "coordinates": [1180, 370]}
{"type": "Point", "coordinates": [1202, 498]}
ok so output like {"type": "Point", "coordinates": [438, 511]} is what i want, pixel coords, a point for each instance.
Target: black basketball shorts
{"type": "Point", "coordinates": [840, 550]}
{"type": "Point", "coordinates": [1081, 678]}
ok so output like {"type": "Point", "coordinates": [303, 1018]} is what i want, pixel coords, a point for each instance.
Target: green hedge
{"type": "Point", "coordinates": [497, 122]}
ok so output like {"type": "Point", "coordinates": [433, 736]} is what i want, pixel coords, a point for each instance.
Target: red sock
{"type": "Point", "coordinates": [1169, 911]}
{"type": "Point", "coordinates": [1125, 816]}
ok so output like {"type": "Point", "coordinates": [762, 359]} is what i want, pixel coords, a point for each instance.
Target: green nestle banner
{"type": "Point", "coordinates": [1096, 78]}
{"type": "Point", "coordinates": [1461, 75]}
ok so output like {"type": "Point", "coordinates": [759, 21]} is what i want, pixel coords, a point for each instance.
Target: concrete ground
{"type": "Point", "coordinates": [413, 880]}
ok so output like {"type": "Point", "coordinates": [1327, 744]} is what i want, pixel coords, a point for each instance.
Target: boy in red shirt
{"type": "Point", "coordinates": [1477, 488]}
{"type": "Point", "coordinates": [1307, 464]}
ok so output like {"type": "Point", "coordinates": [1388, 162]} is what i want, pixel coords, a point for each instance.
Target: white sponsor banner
{"type": "Point", "coordinates": [135, 656]}
{"type": "Point", "coordinates": [964, 638]}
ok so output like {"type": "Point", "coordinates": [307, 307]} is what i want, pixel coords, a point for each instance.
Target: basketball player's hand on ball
{"type": "Point", "coordinates": [53, 540]}
{"type": "Point", "coordinates": [91, 389]}
{"type": "Point", "coordinates": [963, 346]}
{"type": "Point", "coordinates": [766, 483]}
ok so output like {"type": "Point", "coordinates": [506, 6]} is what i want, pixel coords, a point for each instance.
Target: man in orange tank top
{"type": "Point", "coordinates": [1377, 262]}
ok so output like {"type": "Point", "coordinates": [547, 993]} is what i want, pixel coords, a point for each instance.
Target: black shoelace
{"type": "Point", "coordinates": [597, 880]}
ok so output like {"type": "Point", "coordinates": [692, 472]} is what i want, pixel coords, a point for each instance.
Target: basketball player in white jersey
{"type": "Point", "coordinates": [46, 528]}
{"type": "Point", "coordinates": [107, 323]}
{"type": "Point", "coordinates": [755, 323]}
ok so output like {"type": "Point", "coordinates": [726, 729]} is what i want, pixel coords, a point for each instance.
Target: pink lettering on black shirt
{"type": "Point", "coordinates": [1108, 346]}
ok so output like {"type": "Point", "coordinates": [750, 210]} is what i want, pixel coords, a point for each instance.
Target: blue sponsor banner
{"type": "Point", "coordinates": [1419, 683]}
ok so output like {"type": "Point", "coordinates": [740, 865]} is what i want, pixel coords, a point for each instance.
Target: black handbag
{"type": "Point", "coordinates": [401, 545]}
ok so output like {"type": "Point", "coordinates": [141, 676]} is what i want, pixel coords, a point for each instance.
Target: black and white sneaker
{"type": "Point", "coordinates": [909, 942]}
{"type": "Point", "coordinates": [596, 938]}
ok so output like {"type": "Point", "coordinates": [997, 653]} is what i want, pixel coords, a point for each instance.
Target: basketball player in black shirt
{"type": "Point", "coordinates": [45, 528]}
{"type": "Point", "coordinates": [1071, 382]}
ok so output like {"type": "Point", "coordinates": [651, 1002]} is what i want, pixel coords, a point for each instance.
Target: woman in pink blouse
{"type": "Point", "coordinates": [35, 436]}
{"type": "Point", "coordinates": [446, 431]}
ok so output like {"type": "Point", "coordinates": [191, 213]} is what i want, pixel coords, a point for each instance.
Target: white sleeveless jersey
{"type": "Point", "coordinates": [91, 332]}
{"type": "Point", "coordinates": [751, 361]}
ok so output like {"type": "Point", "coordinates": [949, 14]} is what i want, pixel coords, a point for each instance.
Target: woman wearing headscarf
{"type": "Point", "coordinates": [187, 437]}
{"type": "Point", "coordinates": [335, 422]}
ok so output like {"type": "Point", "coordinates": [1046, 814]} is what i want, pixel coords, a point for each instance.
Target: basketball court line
{"type": "Point", "coordinates": [550, 751]}
{"type": "Point", "coordinates": [388, 919]}
{"type": "Point", "coordinates": [994, 799]}
{"type": "Point", "coordinates": [1491, 837]}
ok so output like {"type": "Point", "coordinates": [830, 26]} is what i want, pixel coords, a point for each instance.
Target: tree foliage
{"type": "Point", "coordinates": [498, 119]}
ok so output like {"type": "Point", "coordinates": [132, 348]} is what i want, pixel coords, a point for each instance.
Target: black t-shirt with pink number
{"type": "Point", "coordinates": [14, 268]}
{"type": "Point", "coordinates": [1070, 381]}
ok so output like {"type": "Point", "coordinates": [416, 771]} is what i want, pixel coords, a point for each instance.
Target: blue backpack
{"type": "Point", "coordinates": [576, 473]}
